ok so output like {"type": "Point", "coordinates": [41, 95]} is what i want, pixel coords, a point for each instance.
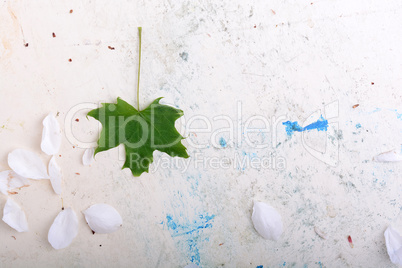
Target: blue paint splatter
{"type": "Point", "coordinates": [222, 142]}
{"type": "Point", "coordinates": [190, 232]}
{"type": "Point", "coordinates": [284, 264]}
{"type": "Point", "coordinates": [320, 125]}
{"type": "Point", "coordinates": [358, 125]}
{"type": "Point", "coordinates": [375, 110]}
{"type": "Point", "coordinates": [260, 266]}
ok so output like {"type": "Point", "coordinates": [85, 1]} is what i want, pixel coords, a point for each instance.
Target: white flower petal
{"type": "Point", "coordinates": [14, 216]}
{"type": "Point", "coordinates": [51, 135]}
{"type": "Point", "coordinates": [55, 175]}
{"type": "Point", "coordinates": [267, 221]}
{"type": "Point", "coordinates": [103, 218]}
{"type": "Point", "coordinates": [393, 241]}
{"type": "Point", "coordinates": [64, 229]}
{"type": "Point", "coordinates": [88, 156]}
{"type": "Point", "coordinates": [391, 156]}
{"type": "Point", "coordinates": [4, 182]}
{"type": "Point", "coordinates": [9, 180]}
{"type": "Point", "coordinates": [27, 164]}
{"type": "Point", "coordinates": [320, 233]}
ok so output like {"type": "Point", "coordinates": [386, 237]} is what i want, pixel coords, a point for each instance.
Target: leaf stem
{"type": "Point", "coordinates": [139, 68]}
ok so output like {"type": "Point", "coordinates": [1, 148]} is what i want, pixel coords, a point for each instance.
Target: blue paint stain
{"type": "Point", "coordinates": [222, 142]}
{"type": "Point", "coordinates": [260, 266]}
{"type": "Point", "coordinates": [398, 115]}
{"type": "Point", "coordinates": [190, 232]}
{"type": "Point", "coordinates": [375, 110]}
{"type": "Point", "coordinates": [358, 125]}
{"type": "Point", "coordinates": [321, 125]}
{"type": "Point", "coordinates": [284, 264]}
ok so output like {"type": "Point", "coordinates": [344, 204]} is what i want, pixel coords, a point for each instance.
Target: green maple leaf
{"type": "Point", "coordinates": [141, 132]}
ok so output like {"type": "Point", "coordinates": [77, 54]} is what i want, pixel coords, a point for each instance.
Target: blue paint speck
{"type": "Point", "coordinates": [358, 125]}
{"type": "Point", "coordinates": [321, 125]}
{"type": "Point", "coordinates": [260, 266]}
{"type": "Point", "coordinates": [222, 142]}
{"type": "Point", "coordinates": [189, 232]}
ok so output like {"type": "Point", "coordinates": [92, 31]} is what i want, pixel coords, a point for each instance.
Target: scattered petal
{"type": "Point", "coordinates": [55, 175]}
{"type": "Point", "coordinates": [88, 156]}
{"type": "Point", "coordinates": [320, 233]}
{"type": "Point", "coordinates": [27, 164]}
{"type": "Point", "coordinates": [64, 229]}
{"type": "Point", "coordinates": [391, 156]}
{"type": "Point", "coordinates": [393, 241]}
{"type": "Point", "coordinates": [103, 218]}
{"type": "Point", "coordinates": [267, 221]}
{"type": "Point", "coordinates": [51, 135]}
{"type": "Point", "coordinates": [9, 181]}
{"type": "Point", "coordinates": [14, 216]}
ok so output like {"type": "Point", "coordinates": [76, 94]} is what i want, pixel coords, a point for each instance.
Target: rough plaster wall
{"type": "Point", "coordinates": [278, 58]}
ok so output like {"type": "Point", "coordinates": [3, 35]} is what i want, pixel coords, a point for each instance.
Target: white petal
{"type": "Point", "coordinates": [103, 218]}
{"type": "Point", "coordinates": [27, 164]}
{"type": "Point", "coordinates": [14, 216]}
{"type": "Point", "coordinates": [320, 233]}
{"type": "Point", "coordinates": [267, 221]}
{"type": "Point", "coordinates": [55, 175]}
{"type": "Point", "coordinates": [88, 156]}
{"type": "Point", "coordinates": [393, 241]}
{"type": "Point", "coordinates": [391, 156]}
{"type": "Point", "coordinates": [9, 180]}
{"type": "Point", "coordinates": [64, 229]}
{"type": "Point", "coordinates": [51, 135]}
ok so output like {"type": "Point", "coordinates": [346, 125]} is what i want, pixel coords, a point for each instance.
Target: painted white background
{"type": "Point", "coordinates": [279, 58]}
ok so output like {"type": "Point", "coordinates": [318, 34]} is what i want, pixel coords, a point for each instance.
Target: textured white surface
{"type": "Point", "coordinates": [279, 58]}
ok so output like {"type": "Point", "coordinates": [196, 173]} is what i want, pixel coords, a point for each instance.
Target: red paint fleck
{"type": "Point", "coordinates": [76, 173]}
{"type": "Point", "coordinates": [54, 35]}
{"type": "Point", "coordinates": [255, 26]}
{"type": "Point", "coordinates": [77, 120]}
{"type": "Point", "coordinates": [14, 237]}
{"type": "Point", "coordinates": [71, 11]}
{"type": "Point", "coordinates": [355, 106]}
{"type": "Point", "coordinates": [372, 83]}
{"type": "Point", "coordinates": [273, 11]}
{"type": "Point", "coordinates": [350, 241]}
{"type": "Point", "coordinates": [111, 48]}
{"type": "Point", "coordinates": [70, 60]}
{"type": "Point", "coordinates": [73, 147]}
{"type": "Point", "coordinates": [220, 244]}
{"type": "Point", "coordinates": [26, 44]}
